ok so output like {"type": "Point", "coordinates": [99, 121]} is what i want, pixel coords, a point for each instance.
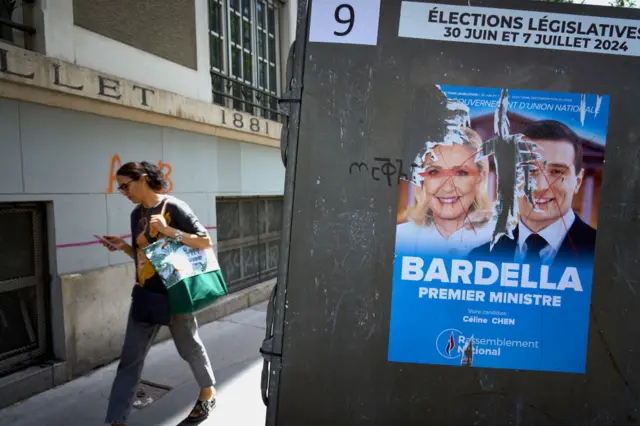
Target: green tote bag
{"type": "Point", "coordinates": [192, 276]}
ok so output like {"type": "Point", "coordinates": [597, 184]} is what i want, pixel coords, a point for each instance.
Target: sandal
{"type": "Point", "coordinates": [201, 411]}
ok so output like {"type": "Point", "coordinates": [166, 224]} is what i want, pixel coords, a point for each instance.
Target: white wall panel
{"type": "Point", "coordinates": [10, 151]}
{"type": "Point", "coordinates": [77, 218]}
{"type": "Point", "coordinates": [70, 152]}
{"type": "Point", "coordinates": [213, 220]}
{"type": "Point", "coordinates": [118, 223]}
{"type": "Point", "coordinates": [229, 168]}
{"type": "Point", "coordinates": [67, 158]}
{"type": "Point", "coordinates": [193, 159]}
{"type": "Point", "coordinates": [262, 170]}
{"type": "Point", "coordinates": [199, 203]}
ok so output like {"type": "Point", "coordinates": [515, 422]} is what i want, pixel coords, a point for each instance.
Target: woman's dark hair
{"type": "Point", "coordinates": [151, 172]}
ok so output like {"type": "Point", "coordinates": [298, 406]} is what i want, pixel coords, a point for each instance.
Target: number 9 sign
{"type": "Point", "coordinates": [345, 21]}
{"type": "Point", "coordinates": [349, 21]}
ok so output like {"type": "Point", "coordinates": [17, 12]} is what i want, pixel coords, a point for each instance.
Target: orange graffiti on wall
{"type": "Point", "coordinates": [166, 169]}
{"type": "Point", "coordinates": [116, 163]}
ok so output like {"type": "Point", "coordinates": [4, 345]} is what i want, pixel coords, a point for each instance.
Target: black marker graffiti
{"type": "Point", "coordinates": [360, 166]}
{"type": "Point", "coordinates": [385, 169]}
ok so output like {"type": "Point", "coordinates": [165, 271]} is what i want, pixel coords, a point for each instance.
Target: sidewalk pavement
{"type": "Point", "coordinates": [232, 343]}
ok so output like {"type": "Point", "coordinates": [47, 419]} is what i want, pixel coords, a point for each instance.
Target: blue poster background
{"type": "Point", "coordinates": [433, 330]}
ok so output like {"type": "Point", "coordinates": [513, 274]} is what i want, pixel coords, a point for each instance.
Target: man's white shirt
{"type": "Point", "coordinates": [553, 234]}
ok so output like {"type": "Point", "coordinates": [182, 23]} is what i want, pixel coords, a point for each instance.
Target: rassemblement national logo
{"type": "Point", "coordinates": [447, 343]}
{"type": "Point", "coordinates": [452, 344]}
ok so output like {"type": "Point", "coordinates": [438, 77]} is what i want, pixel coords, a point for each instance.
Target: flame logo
{"type": "Point", "coordinates": [448, 343]}
{"type": "Point", "coordinates": [451, 344]}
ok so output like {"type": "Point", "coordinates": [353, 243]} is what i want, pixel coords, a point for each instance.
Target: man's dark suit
{"type": "Point", "coordinates": [581, 238]}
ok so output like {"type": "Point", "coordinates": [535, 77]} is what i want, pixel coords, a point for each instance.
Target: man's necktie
{"type": "Point", "coordinates": [535, 244]}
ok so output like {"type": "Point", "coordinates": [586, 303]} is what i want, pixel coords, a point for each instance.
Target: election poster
{"type": "Point", "coordinates": [496, 232]}
{"type": "Point", "coordinates": [507, 27]}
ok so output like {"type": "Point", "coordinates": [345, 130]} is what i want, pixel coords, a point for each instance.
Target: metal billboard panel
{"type": "Point", "coordinates": [364, 112]}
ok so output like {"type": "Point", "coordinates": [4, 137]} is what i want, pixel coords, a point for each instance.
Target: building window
{"type": "Point", "coordinates": [16, 22]}
{"type": "Point", "coordinates": [24, 320]}
{"type": "Point", "coordinates": [243, 38]}
{"type": "Point", "coordinates": [248, 239]}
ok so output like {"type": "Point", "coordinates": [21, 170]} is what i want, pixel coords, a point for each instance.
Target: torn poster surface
{"type": "Point", "coordinates": [496, 232]}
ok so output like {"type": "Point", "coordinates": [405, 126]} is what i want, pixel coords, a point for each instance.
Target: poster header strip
{"type": "Point", "coordinates": [506, 27]}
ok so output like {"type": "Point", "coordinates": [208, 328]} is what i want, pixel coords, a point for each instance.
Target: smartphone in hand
{"type": "Point", "coordinates": [106, 242]}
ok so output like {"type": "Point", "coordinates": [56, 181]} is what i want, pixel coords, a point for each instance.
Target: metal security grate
{"type": "Point", "coordinates": [148, 393]}
{"type": "Point", "coordinates": [16, 22]}
{"type": "Point", "coordinates": [248, 239]}
{"type": "Point", "coordinates": [23, 320]}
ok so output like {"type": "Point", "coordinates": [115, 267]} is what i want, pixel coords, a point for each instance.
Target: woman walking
{"type": "Point", "coordinates": [156, 216]}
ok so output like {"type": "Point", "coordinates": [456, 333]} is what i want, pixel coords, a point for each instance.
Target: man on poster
{"type": "Point", "coordinates": [549, 231]}
{"type": "Point", "coordinates": [530, 279]}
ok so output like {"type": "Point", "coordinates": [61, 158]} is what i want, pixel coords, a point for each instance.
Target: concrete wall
{"type": "Point", "coordinates": [68, 159]}
{"type": "Point", "coordinates": [64, 40]}
{"type": "Point", "coordinates": [165, 28]}
{"type": "Point", "coordinates": [101, 297]}
{"type": "Point", "coordinates": [59, 37]}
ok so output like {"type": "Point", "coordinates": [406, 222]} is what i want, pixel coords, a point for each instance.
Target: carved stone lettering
{"type": "Point", "coordinates": [109, 87]}
{"type": "Point", "coordinates": [5, 68]}
{"type": "Point", "coordinates": [58, 81]}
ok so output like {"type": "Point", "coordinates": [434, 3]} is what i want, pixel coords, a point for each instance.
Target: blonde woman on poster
{"type": "Point", "coordinates": [451, 211]}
